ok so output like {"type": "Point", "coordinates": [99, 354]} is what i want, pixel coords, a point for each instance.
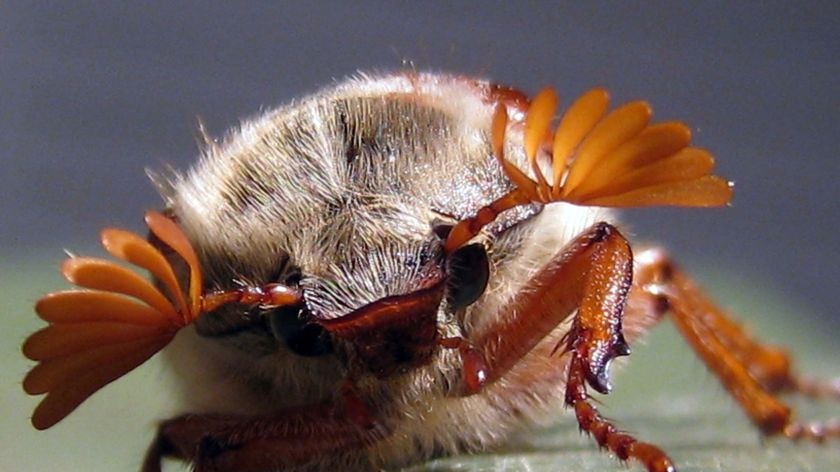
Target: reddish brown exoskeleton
{"type": "Point", "coordinates": [399, 267]}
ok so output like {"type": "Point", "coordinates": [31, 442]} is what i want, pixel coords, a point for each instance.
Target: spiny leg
{"type": "Point", "coordinates": [769, 365]}
{"type": "Point", "coordinates": [228, 443]}
{"type": "Point", "coordinates": [600, 257]}
{"type": "Point", "coordinates": [592, 275]}
{"type": "Point", "coordinates": [751, 372]}
{"type": "Point", "coordinates": [605, 433]}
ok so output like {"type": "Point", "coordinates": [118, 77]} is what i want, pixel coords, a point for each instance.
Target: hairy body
{"type": "Point", "coordinates": [350, 197]}
{"type": "Point", "coordinates": [398, 267]}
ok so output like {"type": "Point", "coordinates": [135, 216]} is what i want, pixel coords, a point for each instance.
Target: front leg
{"type": "Point", "coordinates": [592, 275]}
{"type": "Point", "coordinates": [291, 438]}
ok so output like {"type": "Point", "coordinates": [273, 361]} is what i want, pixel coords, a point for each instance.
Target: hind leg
{"type": "Point", "coordinates": [752, 372]}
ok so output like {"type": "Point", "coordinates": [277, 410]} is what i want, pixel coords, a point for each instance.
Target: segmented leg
{"type": "Point", "coordinates": [226, 443]}
{"type": "Point", "coordinates": [751, 372]}
{"type": "Point", "coordinates": [605, 433]}
{"type": "Point", "coordinates": [593, 276]}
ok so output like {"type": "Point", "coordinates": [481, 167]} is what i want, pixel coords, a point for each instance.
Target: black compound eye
{"type": "Point", "coordinates": [302, 338]}
{"type": "Point", "coordinates": [469, 271]}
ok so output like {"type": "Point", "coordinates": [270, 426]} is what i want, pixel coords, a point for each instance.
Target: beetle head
{"type": "Point", "coordinates": [388, 301]}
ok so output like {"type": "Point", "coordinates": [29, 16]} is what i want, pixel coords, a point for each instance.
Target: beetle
{"type": "Point", "coordinates": [397, 267]}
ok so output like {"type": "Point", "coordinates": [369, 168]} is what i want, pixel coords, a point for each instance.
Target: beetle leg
{"type": "Point", "coordinates": [592, 275]}
{"type": "Point", "coordinates": [751, 372]}
{"type": "Point", "coordinates": [227, 443]}
{"type": "Point", "coordinates": [623, 445]}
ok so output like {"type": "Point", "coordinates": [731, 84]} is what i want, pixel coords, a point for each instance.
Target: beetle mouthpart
{"type": "Point", "coordinates": [393, 332]}
{"type": "Point", "coordinates": [290, 325]}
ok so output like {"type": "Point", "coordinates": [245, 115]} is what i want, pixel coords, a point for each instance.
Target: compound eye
{"type": "Point", "coordinates": [468, 271]}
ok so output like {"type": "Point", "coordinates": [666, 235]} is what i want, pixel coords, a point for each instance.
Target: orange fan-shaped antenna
{"type": "Point", "coordinates": [115, 323]}
{"type": "Point", "coordinates": [615, 159]}
{"type": "Point", "coordinates": [118, 319]}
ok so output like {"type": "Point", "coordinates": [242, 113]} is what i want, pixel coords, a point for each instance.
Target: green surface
{"type": "Point", "coordinates": [663, 395]}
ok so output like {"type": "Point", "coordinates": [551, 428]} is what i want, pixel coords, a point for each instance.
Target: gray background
{"type": "Point", "coordinates": [93, 93]}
